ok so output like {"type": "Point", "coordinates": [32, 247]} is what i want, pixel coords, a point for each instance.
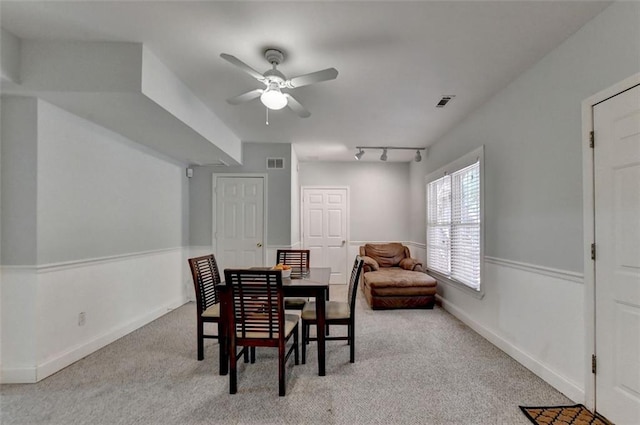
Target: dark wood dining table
{"type": "Point", "coordinates": [315, 284]}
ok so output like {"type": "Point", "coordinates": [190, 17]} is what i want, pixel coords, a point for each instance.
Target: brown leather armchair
{"type": "Point", "coordinates": [392, 279]}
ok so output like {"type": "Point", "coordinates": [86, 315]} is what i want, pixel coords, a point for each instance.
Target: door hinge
{"type": "Point", "coordinates": [593, 363]}
{"type": "Point", "coordinates": [593, 251]}
{"type": "Point", "coordinates": [592, 139]}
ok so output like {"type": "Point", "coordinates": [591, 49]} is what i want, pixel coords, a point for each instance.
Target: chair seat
{"type": "Point", "coordinates": [294, 303]}
{"type": "Point", "coordinates": [337, 313]}
{"type": "Point", "coordinates": [212, 311]}
{"type": "Point", "coordinates": [334, 310]}
{"type": "Point", "coordinates": [290, 322]}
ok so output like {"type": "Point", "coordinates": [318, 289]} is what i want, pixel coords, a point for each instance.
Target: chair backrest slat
{"type": "Point", "coordinates": [258, 309]}
{"type": "Point", "coordinates": [206, 277]}
{"type": "Point", "coordinates": [298, 259]}
{"type": "Point", "coordinates": [353, 282]}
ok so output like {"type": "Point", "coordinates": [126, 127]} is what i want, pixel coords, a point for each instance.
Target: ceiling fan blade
{"type": "Point", "coordinates": [314, 77]}
{"type": "Point", "coordinates": [245, 97]}
{"type": "Point", "coordinates": [246, 68]}
{"type": "Point", "coordinates": [296, 107]}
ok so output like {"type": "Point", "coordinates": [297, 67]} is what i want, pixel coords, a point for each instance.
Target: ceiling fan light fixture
{"type": "Point", "coordinates": [273, 98]}
{"type": "Point", "coordinates": [383, 157]}
{"type": "Point", "coordinates": [359, 154]}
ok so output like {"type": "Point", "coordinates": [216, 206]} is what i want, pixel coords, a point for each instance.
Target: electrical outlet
{"type": "Point", "coordinates": [82, 318]}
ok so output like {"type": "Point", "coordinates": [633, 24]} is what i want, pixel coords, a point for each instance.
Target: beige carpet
{"type": "Point", "coordinates": [563, 415]}
{"type": "Point", "coordinates": [412, 367]}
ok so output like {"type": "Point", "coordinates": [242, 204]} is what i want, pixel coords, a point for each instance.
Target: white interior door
{"type": "Point", "coordinates": [617, 265]}
{"type": "Point", "coordinates": [324, 229]}
{"type": "Point", "coordinates": [239, 221]}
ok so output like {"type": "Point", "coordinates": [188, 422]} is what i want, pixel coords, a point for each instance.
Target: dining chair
{"type": "Point", "coordinates": [257, 319]}
{"type": "Point", "coordinates": [299, 260]}
{"type": "Point", "coordinates": [206, 277]}
{"type": "Point", "coordinates": [336, 313]}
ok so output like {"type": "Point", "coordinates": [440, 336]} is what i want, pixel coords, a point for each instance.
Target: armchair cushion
{"type": "Point", "coordinates": [387, 254]}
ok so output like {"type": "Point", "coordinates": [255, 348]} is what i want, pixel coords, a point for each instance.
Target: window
{"type": "Point", "coordinates": [454, 221]}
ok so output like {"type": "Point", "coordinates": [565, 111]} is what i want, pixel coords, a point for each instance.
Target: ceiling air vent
{"type": "Point", "coordinates": [275, 163]}
{"type": "Point", "coordinates": [444, 101]}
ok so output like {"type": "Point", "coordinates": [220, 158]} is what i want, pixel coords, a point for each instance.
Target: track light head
{"type": "Point", "coordinates": [418, 157]}
{"type": "Point", "coordinates": [383, 157]}
{"type": "Point", "coordinates": [359, 154]}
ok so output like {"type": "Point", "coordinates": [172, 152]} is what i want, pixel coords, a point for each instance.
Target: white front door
{"type": "Point", "coordinates": [324, 229]}
{"type": "Point", "coordinates": [239, 221]}
{"type": "Point", "coordinates": [617, 264]}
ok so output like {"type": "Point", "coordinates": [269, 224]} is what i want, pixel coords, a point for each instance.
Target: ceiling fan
{"type": "Point", "coordinates": [272, 96]}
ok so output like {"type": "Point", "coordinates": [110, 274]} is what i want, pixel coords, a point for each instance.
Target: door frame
{"type": "Point", "coordinates": [214, 208]}
{"type": "Point", "coordinates": [588, 203]}
{"type": "Point", "coordinates": [348, 218]}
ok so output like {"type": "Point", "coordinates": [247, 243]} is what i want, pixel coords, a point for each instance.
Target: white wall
{"type": "Point", "coordinates": [108, 220]}
{"type": "Point", "coordinates": [379, 194]}
{"type": "Point", "coordinates": [295, 200]}
{"type": "Point", "coordinates": [533, 305]}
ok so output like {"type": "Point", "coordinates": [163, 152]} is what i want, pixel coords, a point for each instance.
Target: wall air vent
{"type": "Point", "coordinates": [275, 163]}
{"type": "Point", "coordinates": [444, 101]}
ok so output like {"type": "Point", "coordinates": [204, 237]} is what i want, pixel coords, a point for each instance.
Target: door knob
{"type": "Point", "coordinates": [344, 242]}
{"type": "Point", "coordinates": [259, 245]}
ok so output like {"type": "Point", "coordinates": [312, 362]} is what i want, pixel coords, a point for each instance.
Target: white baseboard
{"type": "Point", "coordinates": [555, 379]}
{"type": "Point", "coordinates": [25, 375]}
{"type": "Point", "coordinates": [59, 291]}
{"type": "Point", "coordinates": [76, 353]}
{"type": "Point", "coordinates": [48, 368]}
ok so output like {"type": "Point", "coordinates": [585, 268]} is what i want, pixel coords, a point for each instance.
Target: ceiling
{"type": "Point", "coordinates": [395, 59]}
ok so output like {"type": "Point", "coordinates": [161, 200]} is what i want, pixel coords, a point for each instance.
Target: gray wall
{"type": "Point", "coordinates": [533, 148]}
{"type": "Point", "coordinates": [254, 156]}
{"type": "Point", "coordinates": [76, 190]}
{"type": "Point", "coordinates": [379, 195]}
{"type": "Point", "coordinates": [19, 145]}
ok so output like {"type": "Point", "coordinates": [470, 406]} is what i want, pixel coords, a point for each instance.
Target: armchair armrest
{"type": "Point", "coordinates": [411, 264]}
{"type": "Point", "coordinates": [369, 264]}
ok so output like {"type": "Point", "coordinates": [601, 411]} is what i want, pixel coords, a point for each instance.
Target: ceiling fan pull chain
{"type": "Point", "coordinates": [267, 112]}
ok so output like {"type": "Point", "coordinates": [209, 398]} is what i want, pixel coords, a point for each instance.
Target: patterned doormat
{"type": "Point", "coordinates": [563, 415]}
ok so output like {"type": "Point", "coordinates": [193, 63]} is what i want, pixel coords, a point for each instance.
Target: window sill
{"type": "Point", "coordinates": [440, 278]}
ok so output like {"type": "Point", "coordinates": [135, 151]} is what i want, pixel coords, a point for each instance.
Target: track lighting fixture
{"type": "Point", "coordinates": [384, 156]}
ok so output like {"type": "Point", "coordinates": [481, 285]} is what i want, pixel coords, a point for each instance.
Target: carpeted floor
{"type": "Point", "coordinates": [576, 414]}
{"type": "Point", "coordinates": [412, 367]}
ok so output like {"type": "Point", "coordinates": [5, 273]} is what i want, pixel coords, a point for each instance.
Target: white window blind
{"type": "Point", "coordinates": [454, 225]}
{"type": "Point", "coordinates": [439, 225]}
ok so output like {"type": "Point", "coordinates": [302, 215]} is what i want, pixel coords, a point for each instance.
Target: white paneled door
{"type": "Point", "coordinates": [324, 229]}
{"type": "Point", "coordinates": [617, 264]}
{"type": "Point", "coordinates": [239, 221]}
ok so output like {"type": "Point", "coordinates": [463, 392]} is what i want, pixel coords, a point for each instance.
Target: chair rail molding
{"type": "Point", "coordinates": [533, 268]}
{"type": "Point", "coordinates": [48, 303]}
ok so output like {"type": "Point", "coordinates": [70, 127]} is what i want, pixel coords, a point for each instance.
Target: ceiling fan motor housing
{"type": "Point", "coordinates": [275, 76]}
{"type": "Point", "coordinates": [274, 56]}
